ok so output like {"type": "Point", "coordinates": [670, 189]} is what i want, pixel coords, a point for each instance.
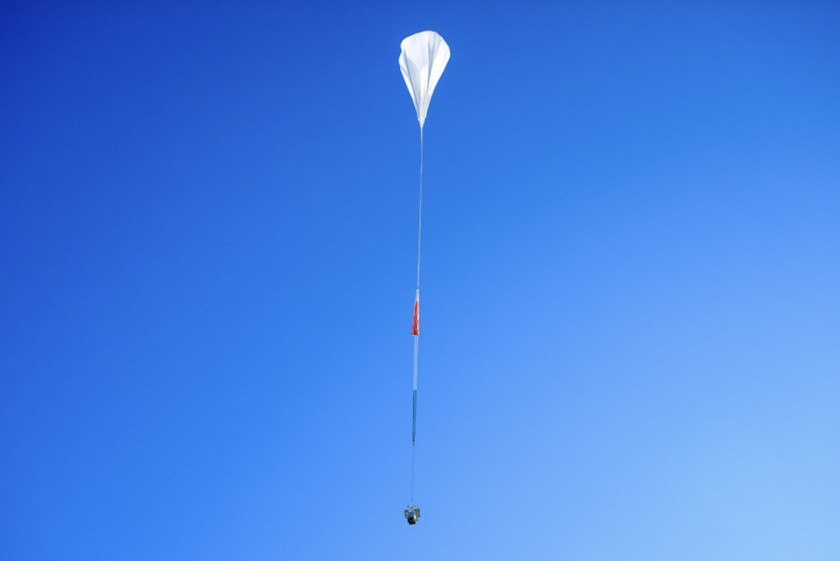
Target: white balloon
{"type": "Point", "coordinates": [422, 60]}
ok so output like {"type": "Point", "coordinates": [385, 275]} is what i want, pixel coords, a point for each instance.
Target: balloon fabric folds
{"type": "Point", "coordinates": [422, 60]}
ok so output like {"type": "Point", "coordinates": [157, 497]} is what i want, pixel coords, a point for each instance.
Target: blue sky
{"type": "Point", "coordinates": [631, 272]}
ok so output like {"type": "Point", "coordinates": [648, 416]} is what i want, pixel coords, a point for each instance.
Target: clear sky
{"type": "Point", "coordinates": [631, 271]}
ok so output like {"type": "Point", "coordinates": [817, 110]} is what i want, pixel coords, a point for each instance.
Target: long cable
{"type": "Point", "coordinates": [420, 210]}
{"type": "Point", "coordinates": [416, 319]}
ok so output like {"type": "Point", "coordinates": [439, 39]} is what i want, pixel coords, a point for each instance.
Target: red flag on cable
{"type": "Point", "coordinates": [415, 325]}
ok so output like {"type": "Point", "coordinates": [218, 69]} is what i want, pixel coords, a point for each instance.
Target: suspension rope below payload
{"type": "Point", "coordinates": [415, 329]}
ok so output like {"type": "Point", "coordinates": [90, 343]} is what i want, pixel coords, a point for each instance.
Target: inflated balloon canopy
{"type": "Point", "coordinates": [422, 60]}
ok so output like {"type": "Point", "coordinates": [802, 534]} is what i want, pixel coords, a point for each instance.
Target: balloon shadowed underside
{"type": "Point", "coordinates": [423, 58]}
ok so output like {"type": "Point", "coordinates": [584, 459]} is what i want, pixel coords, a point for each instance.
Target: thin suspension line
{"type": "Point", "coordinates": [420, 210]}
{"type": "Point", "coordinates": [417, 336]}
{"type": "Point", "coordinates": [412, 474]}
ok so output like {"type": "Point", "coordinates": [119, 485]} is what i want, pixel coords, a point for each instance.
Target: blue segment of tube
{"type": "Point", "coordinates": [413, 416]}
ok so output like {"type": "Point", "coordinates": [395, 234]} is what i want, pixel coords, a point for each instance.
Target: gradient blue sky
{"type": "Point", "coordinates": [631, 321]}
